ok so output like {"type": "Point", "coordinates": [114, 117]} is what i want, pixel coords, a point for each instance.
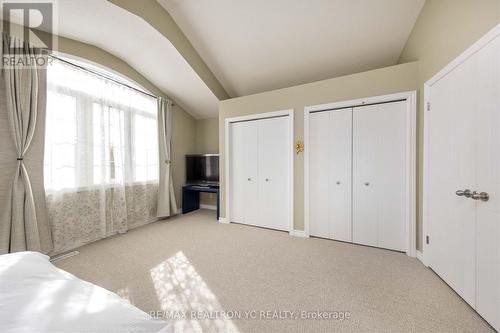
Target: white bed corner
{"type": "Point", "coordinates": [36, 296]}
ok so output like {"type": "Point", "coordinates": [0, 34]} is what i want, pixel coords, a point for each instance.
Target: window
{"type": "Point", "coordinates": [98, 132]}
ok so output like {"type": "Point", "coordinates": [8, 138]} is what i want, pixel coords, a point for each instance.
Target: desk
{"type": "Point", "coordinates": [191, 197]}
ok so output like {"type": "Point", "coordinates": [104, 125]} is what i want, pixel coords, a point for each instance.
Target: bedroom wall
{"type": "Point", "coordinates": [207, 141]}
{"type": "Point", "coordinates": [382, 81]}
{"type": "Point", "coordinates": [207, 135]}
{"type": "Point", "coordinates": [444, 29]}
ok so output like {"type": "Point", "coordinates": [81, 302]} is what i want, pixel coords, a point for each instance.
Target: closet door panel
{"type": "Point", "coordinates": [340, 144]}
{"type": "Point", "coordinates": [330, 174]}
{"type": "Point", "coordinates": [244, 173]}
{"type": "Point", "coordinates": [237, 178]}
{"type": "Point", "coordinates": [319, 174]}
{"type": "Point", "coordinates": [379, 165]}
{"type": "Point", "coordinates": [274, 172]}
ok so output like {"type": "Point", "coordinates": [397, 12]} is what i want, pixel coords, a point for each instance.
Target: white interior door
{"type": "Point", "coordinates": [451, 168]}
{"type": "Point", "coordinates": [464, 153]}
{"type": "Point", "coordinates": [244, 175]}
{"type": "Point", "coordinates": [379, 175]}
{"type": "Point", "coordinates": [487, 115]}
{"type": "Point", "coordinates": [330, 165]}
{"type": "Point", "coordinates": [274, 172]}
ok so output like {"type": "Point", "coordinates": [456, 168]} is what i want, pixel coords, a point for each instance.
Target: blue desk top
{"type": "Point", "coordinates": [200, 188]}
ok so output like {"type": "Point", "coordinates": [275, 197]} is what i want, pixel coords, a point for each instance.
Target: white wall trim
{"type": "Point", "coordinates": [420, 256]}
{"type": "Point", "coordinates": [210, 207]}
{"type": "Point", "coordinates": [299, 233]}
{"type": "Point", "coordinates": [227, 122]}
{"type": "Point", "coordinates": [481, 43]}
{"type": "Point", "coordinates": [63, 256]}
{"type": "Point", "coordinates": [411, 100]}
{"type": "Point", "coordinates": [223, 220]}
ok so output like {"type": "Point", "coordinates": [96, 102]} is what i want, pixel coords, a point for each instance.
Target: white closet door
{"type": "Point", "coordinates": [244, 203]}
{"type": "Point", "coordinates": [319, 174]}
{"type": "Point", "coordinates": [330, 174]}
{"type": "Point", "coordinates": [274, 172]}
{"type": "Point", "coordinates": [379, 172]}
{"type": "Point", "coordinates": [340, 175]}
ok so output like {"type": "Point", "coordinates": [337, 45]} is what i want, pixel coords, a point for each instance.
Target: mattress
{"type": "Point", "coordinates": [36, 296]}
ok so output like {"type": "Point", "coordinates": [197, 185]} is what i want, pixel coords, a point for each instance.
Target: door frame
{"type": "Point", "coordinates": [227, 158]}
{"type": "Point", "coordinates": [481, 43]}
{"type": "Point", "coordinates": [411, 156]}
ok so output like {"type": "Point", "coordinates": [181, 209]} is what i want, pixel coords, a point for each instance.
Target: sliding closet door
{"type": "Point", "coordinates": [319, 174]}
{"type": "Point", "coordinates": [330, 174]}
{"type": "Point", "coordinates": [244, 187]}
{"type": "Point", "coordinates": [379, 172]}
{"type": "Point", "coordinates": [274, 172]}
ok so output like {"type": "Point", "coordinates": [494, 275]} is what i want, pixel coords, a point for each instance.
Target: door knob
{"type": "Point", "coordinates": [267, 179]}
{"type": "Point", "coordinates": [338, 183]}
{"type": "Point", "coordinates": [367, 184]}
{"type": "Point", "coordinates": [483, 196]}
{"type": "Point", "coordinates": [249, 179]}
{"type": "Point", "coordinates": [464, 193]}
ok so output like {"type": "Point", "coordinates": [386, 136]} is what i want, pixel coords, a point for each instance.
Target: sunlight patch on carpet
{"type": "Point", "coordinates": [186, 299]}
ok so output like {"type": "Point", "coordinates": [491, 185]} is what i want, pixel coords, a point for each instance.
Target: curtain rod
{"type": "Point", "coordinates": [104, 76]}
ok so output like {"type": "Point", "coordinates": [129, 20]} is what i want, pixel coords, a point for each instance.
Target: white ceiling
{"type": "Point", "coordinates": [258, 45]}
{"type": "Point", "coordinates": [100, 23]}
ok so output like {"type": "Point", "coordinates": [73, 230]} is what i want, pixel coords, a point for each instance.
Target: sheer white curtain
{"type": "Point", "coordinates": [101, 156]}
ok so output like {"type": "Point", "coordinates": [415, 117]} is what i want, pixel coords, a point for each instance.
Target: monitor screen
{"type": "Point", "coordinates": [202, 169]}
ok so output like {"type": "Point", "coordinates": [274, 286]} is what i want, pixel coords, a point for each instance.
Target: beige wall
{"type": "Point", "coordinates": [183, 142]}
{"type": "Point", "coordinates": [377, 82]}
{"type": "Point", "coordinates": [207, 135]}
{"type": "Point", "coordinates": [207, 141]}
{"type": "Point", "coordinates": [444, 29]}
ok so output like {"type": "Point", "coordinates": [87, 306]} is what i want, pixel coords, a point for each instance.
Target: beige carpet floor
{"type": "Point", "coordinates": [190, 267]}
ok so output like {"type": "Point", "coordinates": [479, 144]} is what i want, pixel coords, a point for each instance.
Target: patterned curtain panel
{"type": "Point", "coordinates": [81, 217]}
{"type": "Point", "coordinates": [101, 157]}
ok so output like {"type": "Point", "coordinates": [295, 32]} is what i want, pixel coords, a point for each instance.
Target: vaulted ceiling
{"type": "Point", "coordinates": [259, 45]}
{"type": "Point", "coordinates": [242, 47]}
{"type": "Point", "coordinates": [129, 37]}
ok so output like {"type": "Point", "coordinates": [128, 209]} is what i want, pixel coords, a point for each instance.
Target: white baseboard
{"type": "Point", "coordinates": [299, 233]}
{"type": "Point", "coordinates": [62, 256]}
{"type": "Point", "coordinates": [211, 207]}
{"type": "Point", "coordinates": [420, 256]}
{"type": "Point", "coordinates": [223, 220]}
